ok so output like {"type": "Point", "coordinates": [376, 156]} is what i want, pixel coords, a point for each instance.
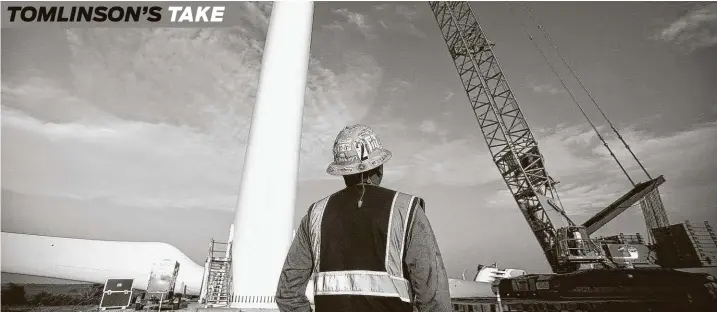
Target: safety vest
{"type": "Point", "coordinates": [391, 280]}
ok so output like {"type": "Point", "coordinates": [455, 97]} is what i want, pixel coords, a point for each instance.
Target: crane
{"type": "Point", "coordinates": [515, 150]}
{"type": "Point", "coordinates": [583, 271]}
{"type": "Point", "coordinates": [510, 141]}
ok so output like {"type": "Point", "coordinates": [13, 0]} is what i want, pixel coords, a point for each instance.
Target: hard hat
{"type": "Point", "coordinates": [357, 149]}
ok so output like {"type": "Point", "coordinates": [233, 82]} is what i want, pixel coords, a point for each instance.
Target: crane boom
{"type": "Point", "coordinates": [511, 143]}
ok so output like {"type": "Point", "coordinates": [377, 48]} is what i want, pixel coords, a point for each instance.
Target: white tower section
{"type": "Point", "coordinates": [264, 219]}
{"type": "Point", "coordinates": [93, 260]}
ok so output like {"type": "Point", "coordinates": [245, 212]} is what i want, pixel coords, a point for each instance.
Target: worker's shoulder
{"type": "Point", "coordinates": [414, 198]}
{"type": "Point", "coordinates": [374, 189]}
{"type": "Point", "coordinates": [325, 199]}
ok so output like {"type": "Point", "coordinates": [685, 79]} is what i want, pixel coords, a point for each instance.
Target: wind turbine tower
{"type": "Point", "coordinates": [265, 214]}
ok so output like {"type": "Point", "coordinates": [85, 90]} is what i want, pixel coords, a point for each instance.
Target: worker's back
{"type": "Point", "coordinates": [368, 248]}
{"type": "Point", "coordinates": [354, 238]}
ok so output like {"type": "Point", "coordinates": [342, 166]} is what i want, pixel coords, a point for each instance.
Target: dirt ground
{"type": "Point", "coordinates": [192, 306]}
{"type": "Point", "coordinates": [52, 309]}
{"type": "Point", "coordinates": [91, 308]}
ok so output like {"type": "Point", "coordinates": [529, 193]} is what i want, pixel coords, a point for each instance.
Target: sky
{"type": "Point", "coordinates": [140, 134]}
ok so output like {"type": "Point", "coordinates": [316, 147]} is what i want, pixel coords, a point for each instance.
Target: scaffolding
{"type": "Point", "coordinates": [216, 282]}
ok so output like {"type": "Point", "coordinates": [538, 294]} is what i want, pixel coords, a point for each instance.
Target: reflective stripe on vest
{"type": "Point", "coordinates": [368, 283]}
{"type": "Point", "coordinates": [397, 224]}
{"type": "Point", "coordinates": [317, 214]}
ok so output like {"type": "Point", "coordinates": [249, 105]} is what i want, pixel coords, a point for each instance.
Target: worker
{"type": "Point", "coordinates": [368, 248]}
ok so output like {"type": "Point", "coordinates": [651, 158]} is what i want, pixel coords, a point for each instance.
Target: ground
{"type": "Point", "coordinates": [93, 308]}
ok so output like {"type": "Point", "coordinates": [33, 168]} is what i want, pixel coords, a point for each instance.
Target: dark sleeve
{"type": "Point", "coordinates": [298, 266]}
{"type": "Point", "coordinates": [426, 271]}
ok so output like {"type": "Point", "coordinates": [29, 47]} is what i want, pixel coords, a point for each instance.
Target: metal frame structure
{"type": "Point", "coordinates": [644, 193]}
{"type": "Point", "coordinates": [217, 279]}
{"type": "Point", "coordinates": [510, 141]}
{"type": "Point", "coordinates": [654, 213]}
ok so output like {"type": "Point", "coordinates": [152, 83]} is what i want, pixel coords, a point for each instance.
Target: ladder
{"type": "Point", "coordinates": [217, 275]}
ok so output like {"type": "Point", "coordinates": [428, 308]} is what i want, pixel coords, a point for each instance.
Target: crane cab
{"type": "Point", "coordinates": [574, 247]}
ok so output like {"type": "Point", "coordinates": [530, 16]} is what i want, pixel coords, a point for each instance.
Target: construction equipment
{"type": "Point", "coordinates": [628, 250]}
{"type": "Point", "coordinates": [569, 250]}
{"type": "Point", "coordinates": [686, 245]}
{"type": "Point", "coordinates": [160, 294]}
{"type": "Point", "coordinates": [216, 282]}
{"type": "Point", "coordinates": [510, 141]}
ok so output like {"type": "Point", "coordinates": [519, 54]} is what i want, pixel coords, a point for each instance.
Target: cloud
{"type": "Point", "coordinates": [255, 16]}
{"type": "Point", "coordinates": [688, 154]}
{"type": "Point", "coordinates": [394, 93]}
{"type": "Point", "coordinates": [465, 161]}
{"type": "Point", "coordinates": [695, 29]}
{"type": "Point", "coordinates": [358, 20]}
{"type": "Point", "coordinates": [335, 25]}
{"type": "Point", "coordinates": [589, 178]}
{"type": "Point", "coordinates": [458, 162]}
{"type": "Point", "coordinates": [595, 180]}
{"type": "Point", "coordinates": [448, 96]}
{"type": "Point", "coordinates": [568, 150]}
{"type": "Point", "coordinates": [383, 17]}
{"type": "Point", "coordinates": [402, 10]}
{"type": "Point", "coordinates": [398, 86]}
{"type": "Point", "coordinates": [409, 13]}
{"type": "Point", "coordinates": [399, 17]}
{"type": "Point", "coordinates": [543, 88]}
{"type": "Point", "coordinates": [160, 117]}
{"type": "Point", "coordinates": [428, 126]}
{"type": "Point", "coordinates": [408, 28]}
{"type": "Point", "coordinates": [128, 162]}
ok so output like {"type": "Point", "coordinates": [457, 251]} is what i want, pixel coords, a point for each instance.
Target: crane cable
{"type": "Point", "coordinates": [537, 46]}
{"type": "Point", "coordinates": [545, 34]}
